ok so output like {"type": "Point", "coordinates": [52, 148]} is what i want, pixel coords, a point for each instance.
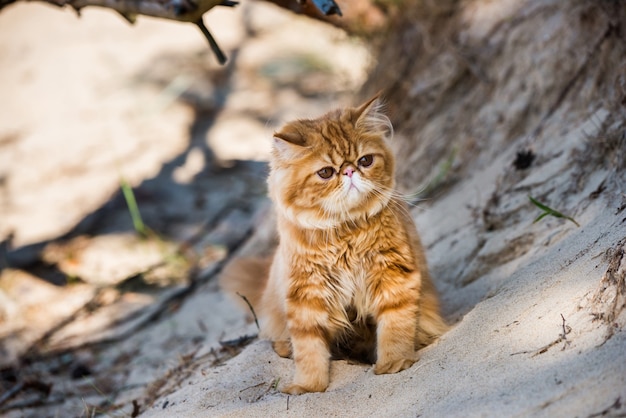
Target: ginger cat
{"type": "Point", "coordinates": [349, 277]}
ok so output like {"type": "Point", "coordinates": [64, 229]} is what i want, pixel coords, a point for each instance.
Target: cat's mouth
{"type": "Point", "coordinates": [354, 193]}
{"type": "Point", "coordinates": [353, 181]}
{"type": "Point", "coordinates": [352, 188]}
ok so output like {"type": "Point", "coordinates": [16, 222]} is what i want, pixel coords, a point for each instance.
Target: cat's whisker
{"type": "Point", "coordinates": [408, 198]}
{"type": "Point", "coordinates": [392, 201]}
{"type": "Point", "coordinates": [411, 199]}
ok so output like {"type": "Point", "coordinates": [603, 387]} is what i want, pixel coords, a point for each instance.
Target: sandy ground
{"type": "Point", "coordinates": [532, 337]}
{"type": "Point", "coordinates": [538, 318]}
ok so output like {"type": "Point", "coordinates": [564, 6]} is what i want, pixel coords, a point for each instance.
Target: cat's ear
{"type": "Point", "coordinates": [372, 105]}
{"type": "Point", "coordinates": [371, 116]}
{"type": "Point", "coordinates": [290, 135]}
{"type": "Point", "coordinates": [289, 142]}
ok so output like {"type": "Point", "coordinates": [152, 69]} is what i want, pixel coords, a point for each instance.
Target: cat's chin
{"type": "Point", "coordinates": [353, 197]}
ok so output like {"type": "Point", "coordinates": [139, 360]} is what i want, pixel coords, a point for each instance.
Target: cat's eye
{"type": "Point", "coordinates": [326, 172]}
{"type": "Point", "coordinates": [366, 160]}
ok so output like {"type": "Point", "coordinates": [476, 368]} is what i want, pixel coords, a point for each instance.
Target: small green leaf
{"type": "Point", "coordinates": [549, 211]}
{"type": "Point", "coordinates": [572, 219]}
{"type": "Point", "coordinates": [540, 205]}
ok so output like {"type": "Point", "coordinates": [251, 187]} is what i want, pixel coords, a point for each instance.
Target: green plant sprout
{"type": "Point", "coordinates": [549, 211]}
{"type": "Point", "coordinates": [131, 202]}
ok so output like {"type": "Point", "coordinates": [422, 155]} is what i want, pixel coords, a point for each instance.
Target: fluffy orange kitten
{"type": "Point", "coordinates": [349, 278]}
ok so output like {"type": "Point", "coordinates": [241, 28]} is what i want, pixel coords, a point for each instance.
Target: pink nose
{"type": "Point", "coordinates": [348, 171]}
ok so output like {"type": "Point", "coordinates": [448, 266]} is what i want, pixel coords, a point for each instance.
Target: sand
{"type": "Point", "coordinates": [537, 309]}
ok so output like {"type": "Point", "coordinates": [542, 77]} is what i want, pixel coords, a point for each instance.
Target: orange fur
{"type": "Point", "coordinates": [349, 277]}
{"type": "Point", "coordinates": [246, 277]}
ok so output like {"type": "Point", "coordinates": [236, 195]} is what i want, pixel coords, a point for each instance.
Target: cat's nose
{"type": "Point", "coordinates": [348, 171]}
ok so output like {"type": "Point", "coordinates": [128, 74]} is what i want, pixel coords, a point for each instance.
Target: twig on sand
{"type": "Point", "coordinates": [40, 386]}
{"type": "Point", "coordinates": [11, 392]}
{"type": "Point", "coordinates": [273, 385]}
{"type": "Point", "coordinates": [562, 338]}
{"type": "Point", "coordinates": [238, 342]}
{"type": "Point", "coordinates": [245, 299]}
{"type": "Point", "coordinates": [566, 330]}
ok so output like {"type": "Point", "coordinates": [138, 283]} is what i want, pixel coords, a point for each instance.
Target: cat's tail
{"type": "Point", "coordinates": [244, 279]}
{"type": "Point", "coordinates": [430, 325]}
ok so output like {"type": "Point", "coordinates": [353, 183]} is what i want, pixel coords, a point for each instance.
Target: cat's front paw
{"type": "Point", "coordinates": [393, 366]}
{"type": "Point", "coordinates": [294, 389]}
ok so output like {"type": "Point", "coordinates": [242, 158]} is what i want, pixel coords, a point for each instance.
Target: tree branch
{"type": "Point", "coordinates": [190, 11]}
{"type": "Point", "coordinates": [180, 10]}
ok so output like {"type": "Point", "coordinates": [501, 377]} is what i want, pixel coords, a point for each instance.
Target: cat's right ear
{"type": "Point", "coordinates": [291, 136]}
{"type": "Point", "coordinates": [288, 143]}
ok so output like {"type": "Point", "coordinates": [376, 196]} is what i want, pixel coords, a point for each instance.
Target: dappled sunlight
{"type": "Point", "coordinates": [193, 165]}
{"type": "Point", "coordinates": [536, 334]}
{"type": "Point", "coordinates": [78, 127]}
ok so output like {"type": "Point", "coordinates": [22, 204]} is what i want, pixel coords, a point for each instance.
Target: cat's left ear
{"type": "Point", "coordinates": [370, 116]}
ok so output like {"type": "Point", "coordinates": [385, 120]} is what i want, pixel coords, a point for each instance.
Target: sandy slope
{"type": "Point", "coordinates": [508, 354]}
{"type": "Point", "coordinates": [537, 308]}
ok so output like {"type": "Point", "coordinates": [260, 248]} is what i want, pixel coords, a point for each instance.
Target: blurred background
{"type": "Point", "coordinates": [97, 114]}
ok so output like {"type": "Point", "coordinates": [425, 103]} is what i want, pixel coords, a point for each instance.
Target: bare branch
{"type": "Point", "coordinates": [189, 11]}
{"type": "Point", "coordinates": [180, 10]}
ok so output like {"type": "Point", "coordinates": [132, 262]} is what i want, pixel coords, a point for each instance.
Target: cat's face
{"type": "Point", "coordinates": [334, 169]}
